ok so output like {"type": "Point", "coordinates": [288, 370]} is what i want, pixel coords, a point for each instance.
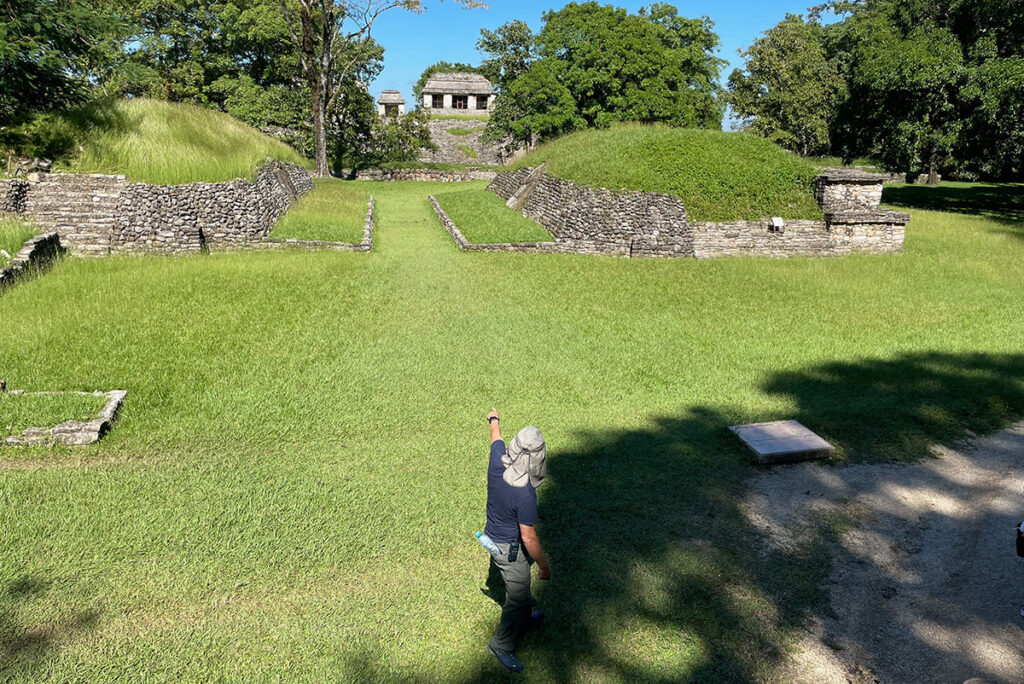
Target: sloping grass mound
{"type": "Point", "coordinates": [719, 176]}
{"type": "Point", "coordinates": [154, 142]}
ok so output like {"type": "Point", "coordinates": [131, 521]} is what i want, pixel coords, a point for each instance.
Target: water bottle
{"type": "Point", "coordinates": [488, 544]}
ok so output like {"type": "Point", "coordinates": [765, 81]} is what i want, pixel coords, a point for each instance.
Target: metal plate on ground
{"type": "Point", "coordinates": [783, 441]}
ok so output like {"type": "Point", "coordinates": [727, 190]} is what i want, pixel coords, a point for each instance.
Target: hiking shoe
{"type": "Point", "coordinates": [537, 619]}
{"type": "Point", "coordinates": [508, 660]}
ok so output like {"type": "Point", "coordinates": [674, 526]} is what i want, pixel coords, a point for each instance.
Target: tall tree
{"type": "Point", "coordinates": [509, 51]}
{"type": "Point", "coordinates": [330, 36]}
{"type": "Point", "coordinates": [598, 64]}
{"type": "Point", "coordinates": [654, 66]}
{"type": "Point", "coordinates": [789, 88]}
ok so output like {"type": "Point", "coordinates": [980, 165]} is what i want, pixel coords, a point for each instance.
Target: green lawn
{"type": "Point", "coordinates": [463, 131]}
{"type": "Point", "coordinates": [483, 217]}
{"type": "Point", "coordinates": [719, 176]}
{"type": "Point", "coordinates": [335, 211]}
{"type": "Point", "coordinates": [13, 234]}
{"type": "Point", "coordinates": [20, 411]}
{"type": "Point", "coordinates": [293, 487]}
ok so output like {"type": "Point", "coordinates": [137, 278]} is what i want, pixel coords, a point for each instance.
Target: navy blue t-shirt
{"type": "Point", "coordinates": [508, 507]}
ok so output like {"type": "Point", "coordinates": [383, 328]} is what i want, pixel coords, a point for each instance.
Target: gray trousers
{"type": "Point", "coordinates": [515, 611]}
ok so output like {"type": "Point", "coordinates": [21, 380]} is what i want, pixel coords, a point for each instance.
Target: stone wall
{"type": "Point", "coordinates": [639, 223]}
{"type": "Point", "coordinates": [848, 190]}
{"type": "Point", "coordinates": [434, 175]}
{"type": "Point", "coordinates": [36, 253]}
{"type": "Point", "coordinates": [564, 247]}
{"type": "Point", "coordinates": [642, 224]}
{"type": "Point", "coordinates": [96, 215]}
{"type": "Point", "coordinates": [12, 195]}
{"type": "Point", "coordinates": [448, 145]}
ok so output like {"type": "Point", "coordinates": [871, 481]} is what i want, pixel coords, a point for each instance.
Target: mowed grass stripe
{"type": "Point", "coordinates": [300, 466]}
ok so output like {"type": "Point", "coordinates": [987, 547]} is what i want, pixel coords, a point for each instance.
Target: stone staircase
{"type": "Point", "coordinates": [81, 208]}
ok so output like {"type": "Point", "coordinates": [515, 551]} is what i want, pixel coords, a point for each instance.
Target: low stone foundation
{"type": "Point", "coordinates": [635, 248]}
{"type": "Point", "coordinates": [35, 254]}
{"type": "Point", "coordinates": [433, 175]}
{"type": "Point", "coordinates": [71, 432]}
{"type": "Point", "coordinates": [365, 245]}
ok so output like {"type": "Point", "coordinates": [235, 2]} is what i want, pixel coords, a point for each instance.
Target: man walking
{"type": "Point", "coordinates": [513, 475]}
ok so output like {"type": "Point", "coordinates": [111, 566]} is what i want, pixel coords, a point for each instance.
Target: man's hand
{"type": "Point", "coordinates": [494, 425]}
{"type": "Point", "coordinates": [544, 573]}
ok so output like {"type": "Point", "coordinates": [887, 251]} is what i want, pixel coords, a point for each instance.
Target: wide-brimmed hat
{"type": "Point", "coordinates": [526, 459]}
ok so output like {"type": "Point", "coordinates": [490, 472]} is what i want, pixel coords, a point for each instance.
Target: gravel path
{"type": "Point", "coordinates": [925, 584]}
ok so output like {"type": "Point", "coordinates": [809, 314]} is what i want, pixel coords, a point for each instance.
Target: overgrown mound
{"type": "Point", "coordinates": [719, 176]}
{"type": "Point", "coordinates": [153, 142]}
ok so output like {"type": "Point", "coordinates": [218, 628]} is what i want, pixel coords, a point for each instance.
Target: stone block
{"type": "Point", "coordinates": [782, 441]}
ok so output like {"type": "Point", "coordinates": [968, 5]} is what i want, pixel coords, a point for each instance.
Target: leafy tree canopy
{"type": "Point", "coordinates": [789, 88]}
{"type": "Point", "coordinates": [921, 84]}
{"type": "Point", "coordinates": [48, 48]}
{"type": "Point", "coordinates": [509, 51]}
{"type": "Point", "coordinates": [597, 64]}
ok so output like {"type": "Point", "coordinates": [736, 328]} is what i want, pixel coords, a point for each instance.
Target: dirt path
{"type": "Point", "coordinates": [925, 585]}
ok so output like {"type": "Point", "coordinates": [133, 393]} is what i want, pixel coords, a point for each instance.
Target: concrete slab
{"type": "Point", "coordinates": [782, 441]}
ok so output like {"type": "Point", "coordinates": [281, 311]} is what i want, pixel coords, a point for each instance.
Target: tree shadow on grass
{"type": "Point", "coordinates": [24, 644]}
{"type": "Point", "coordinates": [1003, 202]}
{"type": "Point", "coordinates": [659, 573]}
{"type": "Point", "coordinates": [894, 409]}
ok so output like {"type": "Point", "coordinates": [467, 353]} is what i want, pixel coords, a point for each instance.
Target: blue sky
{"type": "Point", "coordinates": [447, 32]}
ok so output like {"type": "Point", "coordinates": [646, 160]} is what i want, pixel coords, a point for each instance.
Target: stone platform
{"type": "Point", "coordinates": [783, 441]}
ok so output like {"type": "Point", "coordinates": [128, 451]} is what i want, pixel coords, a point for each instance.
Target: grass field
{"type": "Point", "coordinates": [294, 484]}
{"type": "Point", "coordinates": [719, 176]}
{"type": "Point", "coordinates": [156, 142]}
{"type": "Point", "coordinates": [483, 217]}
{"type": "Point", "coordinates": [20, 411]}
{"type": "Point", "coordinates": [335, 210]}
{"type": "Point", "coordinates": [13, 234]}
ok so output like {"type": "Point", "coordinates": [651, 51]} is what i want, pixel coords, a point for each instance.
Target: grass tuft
{"type": "Point", "coordinates": [463, 131]}
{"type": "Point", "coordinates": [13, 234]}
{"type": "Point", "coordinates": [335, 210]}
{"type": "Point", "coordinates": [151, 141]}
{"type": "Point", "coordinates": [469, 151]}
{"type": "Point", "coordinates": [719, 176]}
{"type": "Point", "coordinates": [21, 411]}
{"type": "Point", "coordinates": [483, 217]}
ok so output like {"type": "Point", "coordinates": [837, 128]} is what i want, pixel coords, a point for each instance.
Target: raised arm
{"type": "Point", "coordinates": [495, 426]}
{"type": "Point", "coordinates": [532, 544]}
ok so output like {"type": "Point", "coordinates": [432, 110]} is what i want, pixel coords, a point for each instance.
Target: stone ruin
{"type": "Point", "coordinates": [391, 104]}
{"type": "Point", "coordinates": [641, 224]}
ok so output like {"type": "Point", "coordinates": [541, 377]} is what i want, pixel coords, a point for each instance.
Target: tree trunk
{"type": "Point", "coordinates": [933, 172]}
{"type": "Point", "coordinates": [319, 130]}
